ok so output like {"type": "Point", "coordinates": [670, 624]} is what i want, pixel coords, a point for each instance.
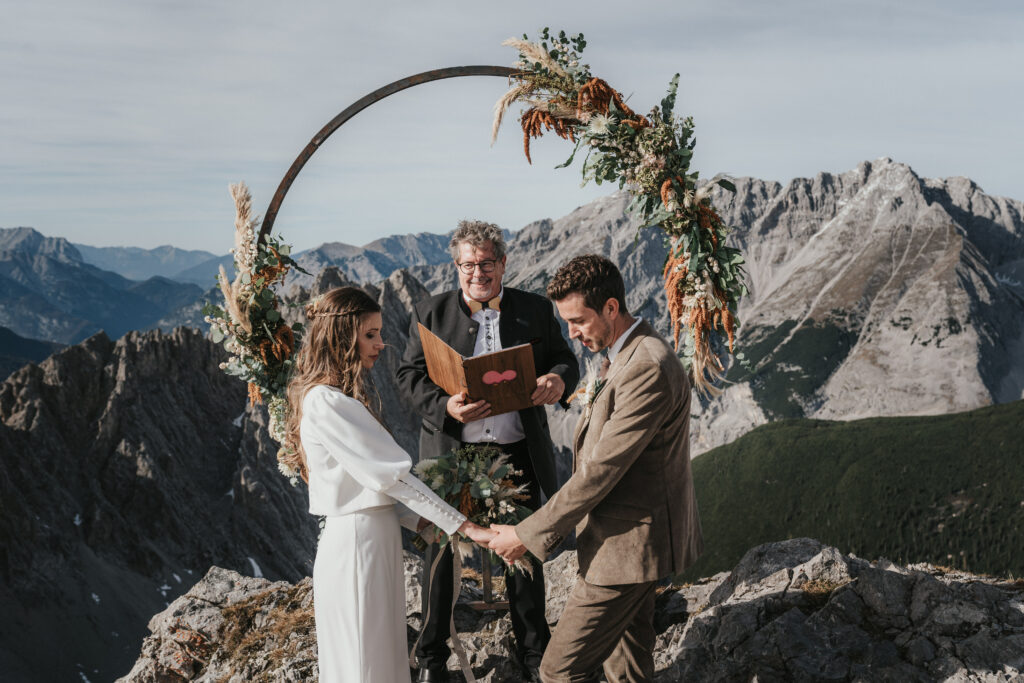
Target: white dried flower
{"type": "Point", "coordinates": [423, 465]}
{"type": "Point", "coordinates": [598, 124]}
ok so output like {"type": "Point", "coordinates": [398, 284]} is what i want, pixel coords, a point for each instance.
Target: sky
{"type": "Point", "coordinates": [122, 122]}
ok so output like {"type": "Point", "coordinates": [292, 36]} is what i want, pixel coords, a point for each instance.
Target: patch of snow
{"type": "Point", "coordinates": [163, 590]}
{"type": "Point", "coordinates": [256, 571]}
{"type": "Point", "coordinates": [96, 598]}
{"type": "Point", "coordinates": [78, 520]}
{"type": "Point", "coordinates": [1007, 280]}
{"type": "Point", "coordinates": [176, 577]}
{"type": "Point", "coordinates": [238, 420]}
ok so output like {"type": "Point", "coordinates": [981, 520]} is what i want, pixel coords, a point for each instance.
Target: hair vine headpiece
{"type": "Point", "coordinates": [313, 310]}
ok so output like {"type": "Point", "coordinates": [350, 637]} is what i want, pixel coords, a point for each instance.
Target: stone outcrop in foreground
{"type": "Point", "coordinates": [790, 611]}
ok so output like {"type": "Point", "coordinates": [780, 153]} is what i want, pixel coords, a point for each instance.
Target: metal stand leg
{"type": "Point", "coordinates": [488, 603]}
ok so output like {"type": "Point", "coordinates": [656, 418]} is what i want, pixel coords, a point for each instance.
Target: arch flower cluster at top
{"type": "Point", "coordinates": [650, 155]}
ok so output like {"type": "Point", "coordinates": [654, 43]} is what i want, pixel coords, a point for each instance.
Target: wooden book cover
{"type": "Point", "coordinates": [506, 379]}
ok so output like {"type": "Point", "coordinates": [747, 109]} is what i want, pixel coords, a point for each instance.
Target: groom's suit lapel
{"type": "Point", "coordinates": [621, 360]}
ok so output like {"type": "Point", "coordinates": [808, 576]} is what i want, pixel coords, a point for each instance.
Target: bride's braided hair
{"type": "Point", "coordinates": [329, 355]}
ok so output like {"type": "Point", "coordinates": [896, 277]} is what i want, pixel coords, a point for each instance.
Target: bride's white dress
{"type": "Point", "coordinates": [357, 474]}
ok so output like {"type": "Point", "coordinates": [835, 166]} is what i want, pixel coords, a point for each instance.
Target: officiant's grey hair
{"type": "Point", "coordinates": [477, 234]}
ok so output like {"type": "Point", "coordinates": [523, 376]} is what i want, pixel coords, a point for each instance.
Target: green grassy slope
{"type": "Point", "coordinates": [945, 489]}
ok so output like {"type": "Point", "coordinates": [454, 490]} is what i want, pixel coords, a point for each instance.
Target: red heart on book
{"type": "Point", "coordinates": [495, 377]}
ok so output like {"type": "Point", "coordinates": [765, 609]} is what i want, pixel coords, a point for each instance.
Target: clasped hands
{"type": "Point", "coordinates": [501, 538]}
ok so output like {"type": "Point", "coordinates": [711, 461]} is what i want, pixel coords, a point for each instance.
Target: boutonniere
{"type": "Point", "coordinates": [592, 383]}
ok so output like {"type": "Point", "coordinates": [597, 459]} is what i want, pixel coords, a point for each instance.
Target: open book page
{"type": "Point", "coordinates": [505, 379]}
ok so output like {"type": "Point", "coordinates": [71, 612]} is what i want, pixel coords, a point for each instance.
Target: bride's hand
{"type": "Point", "coordinates": [478, 534]}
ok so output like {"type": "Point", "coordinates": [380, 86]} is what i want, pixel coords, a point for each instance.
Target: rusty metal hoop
{"type": "Point", "coordinates": [353, 109]}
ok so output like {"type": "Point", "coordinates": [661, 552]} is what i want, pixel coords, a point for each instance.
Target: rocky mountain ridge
{"type": "Point", "coordinates": [790, 611]}
{"type": "Point", "coordinates": [51, 293]}
{"type": "Point", "coordinates": [873, 292]}
{"type": "Point", "coordinates": [136, 263]}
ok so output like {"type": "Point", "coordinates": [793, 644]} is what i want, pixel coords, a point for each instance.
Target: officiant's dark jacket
{"type": "Point", "coordinates": [525, 319]}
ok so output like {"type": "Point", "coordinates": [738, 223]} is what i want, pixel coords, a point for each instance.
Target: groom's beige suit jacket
{"type": "Point", "coordinates": [630, 497]}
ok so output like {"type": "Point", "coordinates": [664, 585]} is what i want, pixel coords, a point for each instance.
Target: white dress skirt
{"type": "Point", "coordinates": [359, 599]}
{"type": "Point", "coordinates": [361, 480]}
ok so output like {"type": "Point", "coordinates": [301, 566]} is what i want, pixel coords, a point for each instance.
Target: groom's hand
{"type": "Point", "coordinates": [507, 543]}
{"type": "Point", "coordinates": [465, 412]}
{"type": "Point", "coordinates": [478, 534]}
{"type": "Point", "coordinates": [550, 388]}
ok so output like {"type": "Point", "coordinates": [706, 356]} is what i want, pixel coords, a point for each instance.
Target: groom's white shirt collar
{"type": "Point", "coordinates": [614, 349]}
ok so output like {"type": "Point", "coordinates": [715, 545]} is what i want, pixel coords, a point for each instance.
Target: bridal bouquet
{"type": "Point", "coordinates": [477, 479]}
{"type": "Point", "coordinates": [650, 156]}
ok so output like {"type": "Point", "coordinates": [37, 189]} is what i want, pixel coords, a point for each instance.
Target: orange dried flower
{"type": "Point", "coordinates": [675, 277]}
{"type": "Point", "coordinates": [594, 95]}
{"type": "Point", "coordinates": [534, 121]}
{"type": "Point", "coordinates": [254, 394]}
{"type": "Point", "coordinates": [284, 342]}
{"type": "Point", "coordinates": [466, 500]}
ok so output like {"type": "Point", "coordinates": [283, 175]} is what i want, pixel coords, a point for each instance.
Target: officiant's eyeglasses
{"type": "Point", "coordinates": [468, 267]}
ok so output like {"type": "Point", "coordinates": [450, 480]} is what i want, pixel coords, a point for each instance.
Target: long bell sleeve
{"type": "Point", "coordinates": [354, 464]}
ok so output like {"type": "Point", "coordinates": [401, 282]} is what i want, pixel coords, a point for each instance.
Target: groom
{"type": "Point", "coordinates": [630, 497]}
{"type": "Point", "coordinates": [482, 316]}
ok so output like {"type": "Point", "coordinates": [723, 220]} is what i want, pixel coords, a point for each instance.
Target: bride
{"type": "Point", "coordinates": [360, 479]}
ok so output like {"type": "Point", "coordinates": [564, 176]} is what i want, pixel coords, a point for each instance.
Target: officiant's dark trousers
{"type": "Point", "coordinates": [525, 595]}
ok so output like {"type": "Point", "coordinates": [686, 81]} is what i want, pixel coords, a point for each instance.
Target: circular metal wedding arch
{"type": "Point", "coordinates": [353, 109]}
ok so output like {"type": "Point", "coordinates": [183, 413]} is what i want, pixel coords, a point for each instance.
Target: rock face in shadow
{"type": "Point", "coordinates": [790, 611]}
{"type": "Point", "coordinates": [126, 469]}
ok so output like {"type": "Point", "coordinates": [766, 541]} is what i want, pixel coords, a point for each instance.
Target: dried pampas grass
{"type": "Point", "coordinates": [232, 301]}
{"type": "Point", "coordinates": [502, 105]}
{"type": "Point", "coordinates": [534, 53]}
{"type": "Point", "coordinates": [245, 227]}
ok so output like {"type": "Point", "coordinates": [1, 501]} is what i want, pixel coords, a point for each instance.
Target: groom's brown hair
{"type": "Point", "coordinates": [592, 276]}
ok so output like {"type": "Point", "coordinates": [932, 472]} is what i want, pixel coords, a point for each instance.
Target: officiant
{"type": "Point", "coordinates": [479, 317]}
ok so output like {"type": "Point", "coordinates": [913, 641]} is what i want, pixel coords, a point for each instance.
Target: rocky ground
{"type": "Point", "coordinates": [791, 611]}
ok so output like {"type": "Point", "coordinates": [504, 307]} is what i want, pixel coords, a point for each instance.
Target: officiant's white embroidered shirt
{"type": "Point", "coordinates": [506, 428]}
{"type": "Point", "coordinates": [355, 464]}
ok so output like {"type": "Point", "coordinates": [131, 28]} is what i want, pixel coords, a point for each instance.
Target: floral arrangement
{"type": "Point", "coordinates": [591, 385]}
{"type": "Point", "coordinates": [651, 156]}
{"type": "Point", "coordinates": [477, 479]}
{"type": "Point", "coordinates": [250, 324]}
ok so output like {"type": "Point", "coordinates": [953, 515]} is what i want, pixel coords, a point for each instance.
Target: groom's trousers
{"type": "Point", "coordinates": [609, 627]}
{"type": "Point", "coordinates": [525, 595]}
